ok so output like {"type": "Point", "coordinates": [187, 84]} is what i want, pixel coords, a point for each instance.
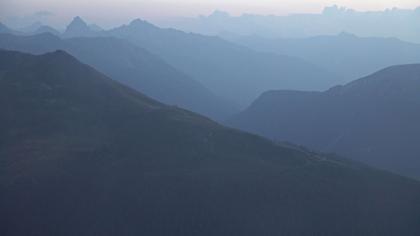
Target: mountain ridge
{"type": "Point", "coordinates": [124, 163]}
{"type": "Point", "coordinates": [372, 119]}
{"type": "Point", "coordinates": [221, 65]}
{"type": "Point", "coordinates": [346, 55]}
{"type": "Point", "coordinates": [131, 65]}
{"type": "Point", "coordinates": [199, 56]}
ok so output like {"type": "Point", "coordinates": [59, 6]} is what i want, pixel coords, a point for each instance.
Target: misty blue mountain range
{"type": "Point", "coordinates": [393, 22]}
{"type": "Point", "coordinates": [306, 124]}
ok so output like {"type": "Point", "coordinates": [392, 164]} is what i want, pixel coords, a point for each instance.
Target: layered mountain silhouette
{"type": "Point", "coordinates": [83, 155]}
{"type": "Point", "coordinates": [373, 119]}
{"type": "Point", "coordinates": [132, 66]}
{"type": "Point", "coordinates": [219, 65]}
{"type": "Point", "coordinates": [395, 22]}
{"type": "Point", "coordinates": [35, 28]}
{"type": "Point", "coordinates": [223, 66]}
{"type": "Point", "coordinates": [345, 54]}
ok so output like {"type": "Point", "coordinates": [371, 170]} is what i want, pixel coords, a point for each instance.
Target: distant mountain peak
{"type": "Point", "coordinates": [77, 27]}
{"type": "Point", "coordinates": [346, 34]}
{"type": "Point", "coordinates": [335, 9]}
{"type": "Point", "coordinates": [219, 14]}
{"type": "Point", "coordinates": [78, 21]}
{"type": "Point", "coordinates": [141, 23]}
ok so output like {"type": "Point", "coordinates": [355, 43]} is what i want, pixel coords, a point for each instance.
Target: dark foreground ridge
{"type": "Point", "coordinates": [83, 155]}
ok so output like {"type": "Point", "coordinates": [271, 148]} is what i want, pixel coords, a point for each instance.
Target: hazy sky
{"type": "Point", "coordinates": [112, 12]}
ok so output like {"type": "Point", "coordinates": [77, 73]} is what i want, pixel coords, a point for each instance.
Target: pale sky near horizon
{"type": "Point", "coordinates": [108, 12]}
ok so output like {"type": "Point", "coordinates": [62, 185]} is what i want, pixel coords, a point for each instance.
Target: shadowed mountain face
{"type": "Point", "coordinates": [83, 155]}
{"type": "Point", "coordinates": [345, 54]}
{"type": "Point", "coordinates": [374, 119]}
{"type": "Point", "coordinates": [224, 67]}
{"type": "Point", "coordinates": [131, 66]}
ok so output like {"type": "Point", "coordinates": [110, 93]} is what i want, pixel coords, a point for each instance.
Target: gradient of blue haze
{"type": "Point", "coordinates": [110, 12]}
